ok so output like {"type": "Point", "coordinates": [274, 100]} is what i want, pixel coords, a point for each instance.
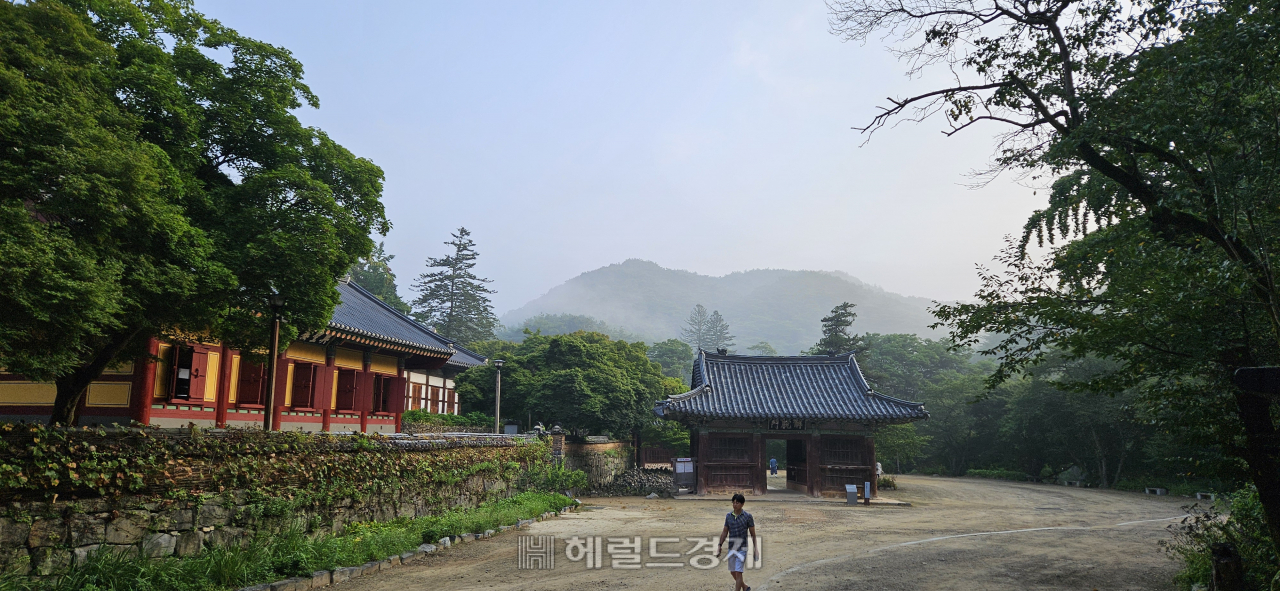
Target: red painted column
{"type": "Point", "coordinates": [758, 478]}
{"type": "Point", "coordinates": [282, 386]}
{"type": "Point", "coordinates": [875, 479]}
{"type": "Point", "coordinates": [326, 414]}
{"type": "Point", "coordinates": [144, 383]}
{"type": "Point", "coordinates": [224, 388]}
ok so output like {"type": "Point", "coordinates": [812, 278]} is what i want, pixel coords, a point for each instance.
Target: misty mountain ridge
{"type": "Point", "coordinates": [782, 307]}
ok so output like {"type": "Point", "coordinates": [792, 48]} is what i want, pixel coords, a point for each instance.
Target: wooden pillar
{"type": "Point", "coordinates": [871, 453]}
{"type": "Point", "coordinates": [144, 383]}
{"type": "Point", "coordinates": [330, 384]}
{"type": "Point", "coordinates": [282, 389]}
{"type": "Point", "coordinates": [704, 455]}
{"type": "Point", "coordinates": [224, 388]}
{"type": "Point", "coordinates": [364, 391]}
{"type": "Point", "coordinates": [812, 468]}
{"type": "Point", "coordinates": [759, 481]}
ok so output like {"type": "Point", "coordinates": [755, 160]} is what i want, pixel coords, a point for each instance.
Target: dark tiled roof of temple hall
{"type": "Point", "coordinates": [815, 388]}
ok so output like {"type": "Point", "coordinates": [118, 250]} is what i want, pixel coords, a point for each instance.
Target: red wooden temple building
{"type": "Point", "coordinates": [369, 365]}
{"type": "Point", "coordinates": [821, 406]}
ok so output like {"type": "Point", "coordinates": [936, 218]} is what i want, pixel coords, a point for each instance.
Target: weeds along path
{"type": "Point", "coordinates": [960, 533]}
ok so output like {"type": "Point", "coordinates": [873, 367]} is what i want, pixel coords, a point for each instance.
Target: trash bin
{"type": "Point", "coordinates": [851, 494]}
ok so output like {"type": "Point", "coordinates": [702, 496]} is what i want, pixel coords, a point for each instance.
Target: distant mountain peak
{"type": "Point", "coordinates": [779, 306]}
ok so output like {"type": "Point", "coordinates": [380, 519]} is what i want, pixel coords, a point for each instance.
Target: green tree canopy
{"type": "Point", "coordinates": [374, 273]}
{"type": "Point", "coordinates": [1157, 118]}
{"type": "Point", "coordinates": [454, 300]}
{"type": "Point", "coordinates": [763, 348]}
{"type": "Point", "coordinates": [150, 189]}
{"type": "Point", "coordinates": [675, 357]}
{"type": "Point", "coordinates": [836, 336]}
{"type": "Point", "coordinates": [586, 382]}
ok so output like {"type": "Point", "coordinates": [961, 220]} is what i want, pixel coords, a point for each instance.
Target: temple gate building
{"type": "Point", "coordinates": [821, 406]}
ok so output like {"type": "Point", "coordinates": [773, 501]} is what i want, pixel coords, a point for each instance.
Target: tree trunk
{"type": "Point", "coordinates": [71, 387]}
{"type": "Point", "coordinates": [1260, 453]}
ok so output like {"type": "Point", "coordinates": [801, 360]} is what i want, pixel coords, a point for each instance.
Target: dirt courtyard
{"type": "Point", "coordinates": [959, 533]}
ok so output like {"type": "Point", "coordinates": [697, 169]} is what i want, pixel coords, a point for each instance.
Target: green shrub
{"type": "Point", "coordinates": [552, 477]}
{"type": "Point", "coordinates": [1245, 528]}
{"type": "Point", "coordinates": [886, 483]}
{"type": "Point", "coordinates": [999, 474]}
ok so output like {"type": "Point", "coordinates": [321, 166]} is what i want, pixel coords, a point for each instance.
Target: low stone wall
{"type": "Point", "coordinates": [601, 461]}
{"type": "Point", "coordinates": [42, 537]}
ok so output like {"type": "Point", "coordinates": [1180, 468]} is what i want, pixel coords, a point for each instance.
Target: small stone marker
{"type": "Point", "coordinates": [851, 494]}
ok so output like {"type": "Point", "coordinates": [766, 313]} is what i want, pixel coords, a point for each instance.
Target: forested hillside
{"type": "Point", "coordinates": [777, 306]}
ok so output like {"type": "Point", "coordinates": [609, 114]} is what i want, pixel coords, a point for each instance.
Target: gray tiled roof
{"type": "Point", "coordinates": [753, 388]}
{"type": "Point", "coordinates": [362, 313]}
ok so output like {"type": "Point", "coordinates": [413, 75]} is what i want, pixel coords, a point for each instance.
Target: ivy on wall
{"type": "Point", "coordinates": [40, 463]}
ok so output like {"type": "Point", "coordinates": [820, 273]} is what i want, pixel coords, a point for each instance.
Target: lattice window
{"type": "Point", "coordinates": [730, 449]}
{"type": "Point", "coordinates": [842, 452]}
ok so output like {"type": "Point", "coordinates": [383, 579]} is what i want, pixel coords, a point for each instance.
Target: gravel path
{"type": "Point", "coordinates": [960, 533]}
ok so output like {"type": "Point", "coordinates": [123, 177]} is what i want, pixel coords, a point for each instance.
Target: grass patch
{"type": "Point", "coordinates": [288, 554]}
{"type": "Point", "coordinates": [1000, 475]}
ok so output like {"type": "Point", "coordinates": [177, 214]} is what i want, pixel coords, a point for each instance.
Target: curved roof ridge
{"type": "Point", "coordinates": [895, 398]}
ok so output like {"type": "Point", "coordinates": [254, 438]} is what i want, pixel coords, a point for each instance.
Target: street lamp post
{"type": "Point", "coordinates": [497, 398]}
{"type": "Point", "coordinates": [268, 412]}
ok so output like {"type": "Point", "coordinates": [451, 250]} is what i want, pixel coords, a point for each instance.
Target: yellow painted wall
{"type": "Point", "coordinates": [288, 387]}
{"type": "Point", "coordinates": [333, 399]}
{"type": "Point", "coordinates": [349, 359]}
{"type": "Point", "coordinates": [384, 364]}
{"type": "Point", "coordinates": [163, 367]}
{"type": "Point", "coordinates": [108, 394]}
{"type": "Point", "coordinates": [125, 368]}
{"type": "Point", "coordinates": [27, 393]}
{"type": "Point", "coordinates": [235, 379]}
{"type": "Point", "coordinates": [306, 352]}
{"type": "Point", "coordinates": [211, 374]}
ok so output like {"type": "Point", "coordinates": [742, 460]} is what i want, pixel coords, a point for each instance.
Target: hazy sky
{"type": "Point", "coordinates": [708, 136]}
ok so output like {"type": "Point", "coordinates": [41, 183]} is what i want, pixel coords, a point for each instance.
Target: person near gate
{"type": "Point", "coordinates": [737, 524]}
{"type": "Point", "coordinates": [773, 466]}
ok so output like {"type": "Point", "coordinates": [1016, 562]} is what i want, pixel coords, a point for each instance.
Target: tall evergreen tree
{"type": "Point", "coordinates": [836, 337]}
{"type": "Point", "coordinates": [695, 331]}
{"type": "Point", "coordinates": [374, 274]}
{"type": "Point", "coordinates": [453, 299]}
{"type": "Point", "coordinates": [718, 336]}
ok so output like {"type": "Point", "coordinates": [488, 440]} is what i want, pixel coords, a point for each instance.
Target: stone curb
{"type": "Point", "coordinates": [324, 578]}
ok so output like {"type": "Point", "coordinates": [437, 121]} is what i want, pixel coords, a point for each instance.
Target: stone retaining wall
{"type": "Point", "coordinates": [601, 461]}
{"type": "Point", "coordinates": [42, 538]}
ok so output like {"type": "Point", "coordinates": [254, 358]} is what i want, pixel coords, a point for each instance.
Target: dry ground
{"type": "Point", "coordinates": [1104, 540]}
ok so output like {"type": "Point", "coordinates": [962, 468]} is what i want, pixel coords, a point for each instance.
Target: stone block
{"type": "Point", "coordinates": [444, 542]}
{"type": "Point", "coordinates": [502, 528]}
{"type": "Point", "coordinates": [183, 519]}
{"type": "Point", "coordinates": [13, 533]}
{"type": "Point", "coordinates": [47, 532]}
{"type": "Point", "coordinates": [188, 543]}
{"type": "Point", "coordinates": [15, 560]}
{"type": "Point", "coordinates": [48, 561]}
{"type": "Point", "coordinates": [427, 548]}
{"type": "Point", "coordinates": [371, 567]}
{"type": "Point", "coordinates": [128, 527]}
{"type": "Point", "coordinates": [227, 537]}
{"type": "Point", "coordinates": [407, 556]}
{"type": "Point", "coordinates": [81, 555]}
{"type": "Point", "coordinates": [320, 578]}
{"type": "Point", "coordinates": [291, 585]}
{"type": "Point", "coordinates": [158, 545]}
{"type": "Point", "coordinates": [212, 514]}
{"type": "Point", "coordinates": [86, 529]}
{"type": "Point", "coordinates": [259, 587]}
{"type": "Point", "coordinates": [343, 574]}
{"type": "Point", "coordinates": [488, 533]}
{"type": "Point", "coordinates": [391, 561]}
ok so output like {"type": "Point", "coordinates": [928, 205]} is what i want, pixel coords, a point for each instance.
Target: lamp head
{"type": "Point", "coordinates": [497, 363]}
{"type": "Point", "coordinates": [276, 300]}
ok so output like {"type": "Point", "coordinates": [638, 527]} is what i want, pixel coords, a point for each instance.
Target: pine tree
{"type": "Point", "coordinates": [374, 274]}
{"type": "Point", "coordinates": [763, 348]}
{"type": "Point", "coordinates": [836, 338]}
{"type": "Point", "coordinates": [718, 336]}
{"type": "Point", "coordinates": [695, 333]}
{"type": "Point", "coordinates": [453, 299]}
